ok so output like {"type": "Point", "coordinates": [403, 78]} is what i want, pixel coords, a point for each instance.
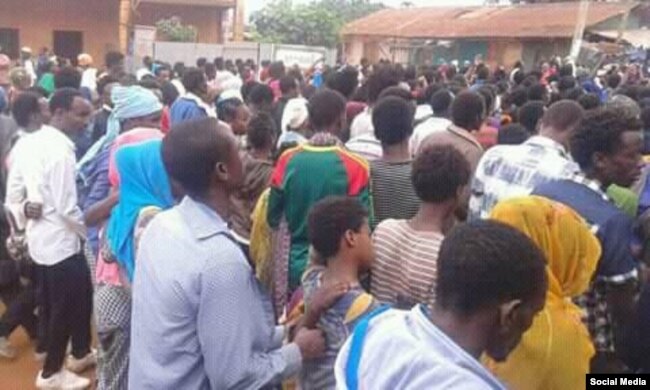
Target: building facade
{"type": "Point", "coordinates": [70, 27]}
{"type": "Point", "coordinates": [501, 35]}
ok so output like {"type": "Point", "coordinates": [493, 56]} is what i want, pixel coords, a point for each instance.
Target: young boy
{"type": "Point", "coordinates": [339, 234]}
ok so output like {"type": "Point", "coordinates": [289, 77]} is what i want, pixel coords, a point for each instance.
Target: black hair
{"type": "Point", "coordinates": [645, 117]}
{"type": "Point", "coordinates": [227, 109]}
{"type": "Point", "coordinates": [589, 101]}
{"type": "Point", "coordinates": [600, 132]}
{"type": "Point", "coordinates": [179, 69]}
{"type": "Point", "coordinates": [261, 131]}
{"type": "Point", "coordinates": [537, 92]}
{"type": "Point", "coordinates": [330, 219]}
{"type": "Point", "coordinates": [40, 91]}
{"type": "Point", "coordinates": [512, 134]}
{"type": "Point", "coordinates": [194, 80]}
{"type": "Point", "coordinates": [346, 81]}
{"type": "Point", "coordinates": [113, 58]}
{"type": "Point", "coordinates": [277, 70]}
{"type": "Point", "coordinates": [191, 151]}
{"type": "Point", "coordinates": [614, 80]}
{"type": "Point", "coordinates": [573, 93]}
{"type": "Point", "coordinates": [566, 70]}
{"type": "Point", "coordinates": [247, 88]}
{"type": "Point", "coordinates": [128, 80]}
{"type": "Point", "coordinates": [103, 82]}
{"type": "Point", "coordinates": [392, 119]}
{"type": "Point", "coordinates": [325, 108]}
{"type": "Point", "coordinates": [169, 93]}
{"type": "Point", "coordinates": [427, 93]}
{"type": "Point", "coordinates": [67, 77]}
{"type": "Point", "coordinates": [482, 72]}
{"type": "Point", "coordinates": [564, 115]}
{"type": "Point", "coordinates": [468, 110]}
{"type": "Point", "coordinates": [380, 80]}
{"type": "Point", "coordinates": [566, 83]}
{"type": "Point", "coordinates": [517, 97]}
{"type": "Point", "coordinates": [24, 106]}
{"type": "Point", "coordinates": [150, 84]}
{"type": "Point", "coordinates": [201, 61]}
{"type": "Point", "coordinates": [218, 63]}
{"type": "Point", "coordinates": [287, 84]}
{"type": "Point", "coordinates": [488, 98]}
{"type": "Point", "coordinates": [485, 263]}
{"type": "Point", "coordinates": [530, 114]}
{"type": "Point", "coordinates": [209, 69]}
{"type": "Point", "coordinates": [399, 92]}
{"type": "Point", "coordinates": [438, 172]}
{"type": "Point", "coordinates": [519, 77]}
{"type": "Point", "coordinates": [441, 101]}
{"type": "Point", "coordinates": [260, 95]}
{"type": "Point", "coordinates": [63, 98]}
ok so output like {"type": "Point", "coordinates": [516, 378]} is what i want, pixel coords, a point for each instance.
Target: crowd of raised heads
{"type": "Point", "coordinates": [234, 225]}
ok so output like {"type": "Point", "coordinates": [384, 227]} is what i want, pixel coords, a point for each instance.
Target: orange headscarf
{"type": "Point", "coordinates": [555, 352]}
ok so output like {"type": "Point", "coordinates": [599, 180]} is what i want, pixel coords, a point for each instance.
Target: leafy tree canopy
{"type": "Point", "coordinates": [317, 23]}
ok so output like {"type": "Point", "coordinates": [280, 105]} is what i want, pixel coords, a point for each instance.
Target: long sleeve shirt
{"type": "Point", "coordinates": [200, 319]}
{"type": "Point", "coordinates": [46, 166]}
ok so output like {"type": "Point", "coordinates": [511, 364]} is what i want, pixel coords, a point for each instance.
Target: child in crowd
{"type": "Point", "coordinates": [339, 233]}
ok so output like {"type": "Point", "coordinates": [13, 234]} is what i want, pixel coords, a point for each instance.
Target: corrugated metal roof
{"type": "Point", "coordinates": [634, 37]}
{"type": "Point", "coordinates": [205, 3]}
{"type": "Point", "coordinates": [521, 21]}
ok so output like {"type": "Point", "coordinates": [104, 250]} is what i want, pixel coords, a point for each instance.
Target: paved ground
{"type": "Point", "coordinates": [20, 374]}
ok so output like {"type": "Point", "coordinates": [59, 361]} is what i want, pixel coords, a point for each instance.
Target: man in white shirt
{"type": "Point", "coordinates": [474, 313]}
{"type": "Point", "coordinates": [437, 122]}
{"type": "Point", "coordinates": [54, 240]}
{"type": "Point", "coordinates": [508, 171]}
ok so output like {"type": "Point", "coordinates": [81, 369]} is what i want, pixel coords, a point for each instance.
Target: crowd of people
{"type": "Point", "coordinates": [235, 226]}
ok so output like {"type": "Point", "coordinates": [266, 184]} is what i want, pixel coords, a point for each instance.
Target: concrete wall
{"type": "Point", "coordinates": [37, 19]}
{"type": "Point", "coordinates": [207, 20]}
{"type": "Point", "coordinates": [98, 21]}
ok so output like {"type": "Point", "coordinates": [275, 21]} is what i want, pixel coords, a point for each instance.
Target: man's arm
{"type": "Point", "coordinates": [61, 181]}
{"type": "Point", "coordinates": [229, 323]}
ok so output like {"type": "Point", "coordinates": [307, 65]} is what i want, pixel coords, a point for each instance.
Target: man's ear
{"type": "Point", "coordinates": [222, 171]}
{"type": "Point", "coordinates": [509, 313]}
{"type": "Point", "coordinates": [350, 238]}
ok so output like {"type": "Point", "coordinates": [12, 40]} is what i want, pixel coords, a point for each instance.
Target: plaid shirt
{"type": "Point", "coordinates": [614, 268]}
{"type": "Point", "coordinates": [510, 171]}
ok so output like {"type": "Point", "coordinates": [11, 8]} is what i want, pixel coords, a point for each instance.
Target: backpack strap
{"type": "Point", "coordinates": [356, 347]}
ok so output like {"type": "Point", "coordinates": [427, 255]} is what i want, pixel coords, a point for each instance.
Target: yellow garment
{"type": "Point", "coordinates": [555, 352]}
{"type": "Point", "coordinates": [260, 246]}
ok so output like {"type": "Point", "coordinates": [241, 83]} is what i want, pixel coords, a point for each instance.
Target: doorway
{"type": "Point", "coordinates": [68, 44]}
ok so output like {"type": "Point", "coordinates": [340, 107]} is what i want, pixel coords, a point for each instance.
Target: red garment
{"type": "Point", "coordinates": [487, 136]}
{"type": "Point", "coordinates": [352, 109]}
{"type": "Point", "coordinates": [165, 121]}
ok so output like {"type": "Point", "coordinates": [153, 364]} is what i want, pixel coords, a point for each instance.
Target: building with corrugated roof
{"type": "Point", "coordinates": [500, 34]}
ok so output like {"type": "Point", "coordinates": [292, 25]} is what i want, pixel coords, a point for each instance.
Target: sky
{"type": "Point", "coordinates": [254, 5]}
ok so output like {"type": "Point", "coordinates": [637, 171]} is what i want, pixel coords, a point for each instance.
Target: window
{"type": "Point", "coordinates": [68, 44]}
{"type": "Point", "coordinates": [9, 42]}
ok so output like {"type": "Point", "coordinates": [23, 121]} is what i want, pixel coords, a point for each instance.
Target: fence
{"type": "Point", "coordinates": [304, 56]}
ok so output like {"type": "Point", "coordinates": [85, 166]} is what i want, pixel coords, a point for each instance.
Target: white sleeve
{"type": "Point", "coordinates": [61, 180]}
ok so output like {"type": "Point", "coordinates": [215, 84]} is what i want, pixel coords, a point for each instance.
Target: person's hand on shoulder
{"type": "Point", "coordinates": [311, 343]}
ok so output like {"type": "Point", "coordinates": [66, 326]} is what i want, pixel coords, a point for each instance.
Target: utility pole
{"type": "Point", "coordinates": [579, 32]}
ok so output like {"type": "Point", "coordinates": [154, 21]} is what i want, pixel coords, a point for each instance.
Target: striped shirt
{"type": "Point", "coordinates": [393, 196]}
{"type": "Point", "coordinates": [405, 270]}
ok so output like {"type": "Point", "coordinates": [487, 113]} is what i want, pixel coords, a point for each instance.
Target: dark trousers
{"type": "Point", "coordinates": [20, 303]}
{"type": "Point", "coordinates": [66, 293]}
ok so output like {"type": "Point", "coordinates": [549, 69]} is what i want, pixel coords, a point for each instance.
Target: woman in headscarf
{"type": "Point", "coordinates": [145, 190]}
{"type": "Point", "coordinates": [556, 351]}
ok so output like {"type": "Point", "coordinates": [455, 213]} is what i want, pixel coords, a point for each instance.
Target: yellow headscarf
{"type": "Point", "coordinates": [555, 352]}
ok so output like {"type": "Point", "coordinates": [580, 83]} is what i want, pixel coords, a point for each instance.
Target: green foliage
{"type": "Point", "coordinates": [173, 30]}
{"type": "Point", "coordinates": [316, 24]}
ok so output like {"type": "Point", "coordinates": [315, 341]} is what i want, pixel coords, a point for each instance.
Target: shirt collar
{"type": "Point", "coordinates": [450, 349]}
{"type": "Point", "coordinates": [592, 184]}
{"type": "Point", "coordinates": [60, 134]}
{"type": "Point", "coordinates": [202, 220]}
{"type": "Point", "coordinates": [548, 143]}
{"type": "Point", "coordinates": [462, 133]}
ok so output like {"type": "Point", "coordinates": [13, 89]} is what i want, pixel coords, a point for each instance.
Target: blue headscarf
{"type": "Point", "coordinates": [143, 183]}
{"type": "Point", "coordinates": [128, 103]}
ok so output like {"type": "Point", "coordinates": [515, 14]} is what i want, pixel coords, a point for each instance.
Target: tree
{"type": "Point", "coordinates": [315, 24]}
{"type": "Point", "coordinates": [172, 29]}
